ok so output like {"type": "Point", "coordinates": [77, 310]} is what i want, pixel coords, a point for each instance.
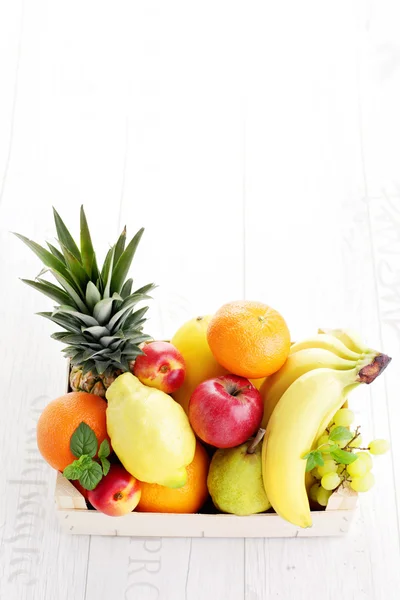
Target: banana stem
{"type": "Point", "coordinates": [253, 445]}
{"type": "Point", "coordinates": [372, 370]}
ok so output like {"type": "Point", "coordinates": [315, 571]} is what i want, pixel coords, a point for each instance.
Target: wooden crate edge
{"type": "Point", "coordinates": [75, 518]}
{"type": "Point", "coordinates": [267, 525]}
{"type": "Point", "coordinates": [67, 496]}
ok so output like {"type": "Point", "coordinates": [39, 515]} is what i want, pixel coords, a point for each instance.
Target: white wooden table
{"type": "Point", "coordinates": [259, 145]}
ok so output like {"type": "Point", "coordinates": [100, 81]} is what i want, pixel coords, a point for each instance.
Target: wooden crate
{"type": "Point", "coordinates": [75, 518]}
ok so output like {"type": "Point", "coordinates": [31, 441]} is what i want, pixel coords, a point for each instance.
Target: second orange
{"type": "Point", "coordinates": [249, 338]}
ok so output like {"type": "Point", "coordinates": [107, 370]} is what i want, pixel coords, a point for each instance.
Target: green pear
{"type": "Point", "coordinates": [235, 479]}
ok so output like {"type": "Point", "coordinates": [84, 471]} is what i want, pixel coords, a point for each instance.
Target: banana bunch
{"type": "Point", "coordinates": [300, 400]}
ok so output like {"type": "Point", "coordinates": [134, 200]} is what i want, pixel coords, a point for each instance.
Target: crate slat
{"type": "Point", "coordinates": [67, 496]}
{"type": "Point", "coordinates": [75, 518]}
{"type": "Point", "coordinates": [332, 523]}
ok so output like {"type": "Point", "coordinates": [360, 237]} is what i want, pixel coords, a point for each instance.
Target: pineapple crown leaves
{"type": "Point", "coordinates": [95, 306]}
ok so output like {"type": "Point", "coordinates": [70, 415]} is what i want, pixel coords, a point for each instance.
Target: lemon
{"type": "Point", "coordinates": [150, 432]}
{"type": "Point", "coordinates": [191, 341]}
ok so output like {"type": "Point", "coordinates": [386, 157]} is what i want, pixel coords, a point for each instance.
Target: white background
{"type": "Point", "coordinates": [259, 145]}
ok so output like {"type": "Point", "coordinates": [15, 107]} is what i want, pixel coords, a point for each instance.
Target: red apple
{"type": "Point", "coordinates": [161, 366]}
{"type": "Point", "coordinates": [225, 411]}
{"type": "Point", "coordinates": [117, 493]}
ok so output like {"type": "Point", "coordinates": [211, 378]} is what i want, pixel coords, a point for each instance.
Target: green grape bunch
{"type": "Point", "coordinates": [339, 459]}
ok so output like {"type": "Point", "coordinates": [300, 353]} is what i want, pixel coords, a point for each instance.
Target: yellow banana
{"type": "Point", "coordinates": [328, 342]}
{"type": "Point", "coordinates": [290, 435]}
{"type": "Point", "coordinates": [305, 406]}
{"type": "Point", "coordinates": [296, 365]}
{"type": "Point", "coordinates": [350, 338]}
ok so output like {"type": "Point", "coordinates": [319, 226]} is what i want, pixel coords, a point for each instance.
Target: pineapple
{"type": "Point", "coordinates": [95, 308]}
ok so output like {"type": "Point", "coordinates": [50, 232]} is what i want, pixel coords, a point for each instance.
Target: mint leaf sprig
{"type": "Point", "coordinates": [83, 441]}
{"type": "Point", "coordinates": [84, 445]}
{"type": "Point", "coordinates": [315, 458]}
{"type": "Point", "coordinates": [103, 452]}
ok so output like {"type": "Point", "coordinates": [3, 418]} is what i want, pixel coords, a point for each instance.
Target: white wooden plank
{"type": "Point", "coordinates": [304, 184]}
{"type": "Point", "coordinates": [385, 226]}
{"type": "Point", "coordinates": [29, 526]}
{"type": "Point", "coordinates": [183, 183]}
{"type": "Point", "coordinates": [11, 30]}
{"type": "Point", "coordinates": [31, 370]}
{"type": "Point", "coordinates": [60, 156]}
{"type": "Point", "coordinates": [215, 569]}
{"type": "Point", "coordinates": [137, 568]}
{"type": "Point", "coordinates": [380, 91]}
{"type": "Point", "coordinates": [302, 156]}
{"type": "Point", "coordinates": [76, 521]}
{"type": "Point", "coordinates": [184, 170]}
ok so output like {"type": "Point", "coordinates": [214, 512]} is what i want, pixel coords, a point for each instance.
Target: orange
{"type": "Point", "coordinates": [59, 420]}
{"type": "Point", "coordinates": [249, 339]}
{"type": "Point", "coordinates": [187, 499]}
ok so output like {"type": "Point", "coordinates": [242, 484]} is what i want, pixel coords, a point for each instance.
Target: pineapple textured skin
{"type": "Point", "coordinates": [91, 382]}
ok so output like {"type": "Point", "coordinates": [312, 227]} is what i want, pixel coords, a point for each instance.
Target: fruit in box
{"type": "Point", "coordinates": [235, 479]}
{"type": "Point", "coordinates": [225, 411]}
{"type": "Point", "coordinates": [297, 364]}
{"type": "Point", "coordinates": [379, 446]}
{"type": "Point", "coordinates": [117, 493]}
{"type": "Point", "coordinates": [350, 338]}
{"type": "Point", "coordinates": [60, 419]}
{"type": "Point", "coordinates": [249, 339]}
{"type": "Point", "coordinates": [186, 499]}
{"type": "Point", "coordinates": [160, 366]}
{"type": "Point", "coordinates": [325, 341]}
{"type": "Point", "coordinates": [149, 431]}
{"type": "Point", "coordinates": [349, 469]}
{"type": "Point", "coordinates": [299, 418]}
{"type": "Point", "coordinates": [191, 341]}
{"type": "Point", "coordinates": [308, 449]}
